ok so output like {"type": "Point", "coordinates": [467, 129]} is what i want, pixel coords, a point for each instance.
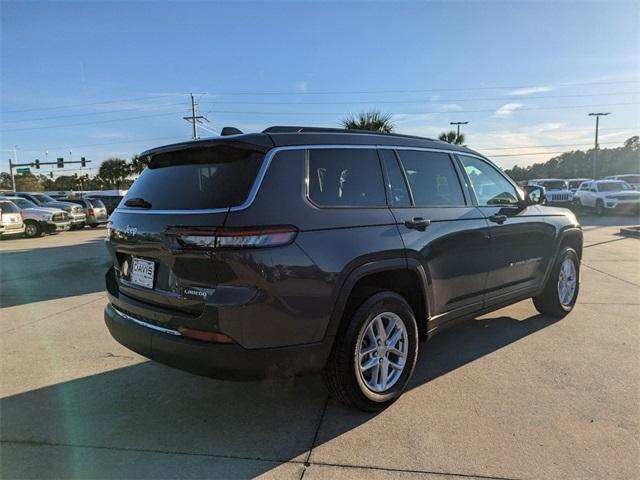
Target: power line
{"type": "Point", "coordinates": [104, 102]}
{"type": "Point", "coordinates": [545, 146]}
{"type": "Point", "coordinates": [439, 100]}
{"type": "Point", "coordinates": [435, 112]}
{"type": "Point", "coordinates": [154, 107]}
{"type": "Point", "coordinates": [91, 123]}
{"type": "Point", "coordinates": [326, 92]}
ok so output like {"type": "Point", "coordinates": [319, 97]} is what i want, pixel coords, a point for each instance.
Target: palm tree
{"type": "Point", "coordinates": [137, 165]}
{"type": "Point", "coordinates": [373, 120]}
{"type": "Point", "coordinates": [452, 137]}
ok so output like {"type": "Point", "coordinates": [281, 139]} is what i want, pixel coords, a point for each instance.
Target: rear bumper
{"type": "Point", "coordinates": [224, 361]}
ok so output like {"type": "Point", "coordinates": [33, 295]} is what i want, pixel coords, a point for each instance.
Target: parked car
{"type": "Point", "coordinates": [574, 183]}
{"type": "Point", "coordinates": [39, 220]}
{"type": "Point", "coordinates": [631, 179]}
{"type": "Point", "coordinates": [110, 198]}
{"type": "Point", "coordinates": [76, 213]}
{"type": "Point", "coordinates": [608, 195]}
{"type": "Point", "coordinates": [11, 223]}
{"type": "Point", "coordinates": [556, 191]}
{"type": "Point", "coordinates": [94, 209]}
{"type": "Point", "coordinates": [299, 250]}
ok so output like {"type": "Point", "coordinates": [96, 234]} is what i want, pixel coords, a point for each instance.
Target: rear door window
{"type": "Point", "coordinates": [197, 178]}
{"type": "Point", "coordinates": [432, 178]}
{"type": "Point", "coordinates": [346, 177]}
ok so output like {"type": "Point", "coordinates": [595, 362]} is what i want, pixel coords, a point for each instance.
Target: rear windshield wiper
{"type": "Point", "coordinates": [137, 203]}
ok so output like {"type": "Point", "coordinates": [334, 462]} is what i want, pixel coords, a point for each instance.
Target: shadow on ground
{"type": "Point", "coordinates": [148, 408]}
{"type": "Point", "coordinates": [37, 274]}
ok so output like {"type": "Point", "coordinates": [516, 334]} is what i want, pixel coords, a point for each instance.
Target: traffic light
{"type": "Point", "coordinates": [83, 162]}
{"type": "Point", "coordinates": [60, 162]}
{"type": "Point", "coordinates": [37, 164]}
{"type": "Point", "coordinates": [51, 174]}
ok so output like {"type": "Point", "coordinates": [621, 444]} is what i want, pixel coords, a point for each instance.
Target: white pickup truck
{"type": "Point", "coordinates": [39, 220]}
{"type": "Point", "coordinates": [608, 195]}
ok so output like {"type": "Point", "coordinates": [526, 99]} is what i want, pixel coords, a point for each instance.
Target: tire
{"type": "Point", "coordinates": [549, 302]}
{"type": "Point", "coordinates": [600, 208]}
{"type": "Point", "coordinates": [32, 229]}
{"type": "Point", "coordinates": [346, 381]}
{"type": "Point", "coordinates": [93, 225]}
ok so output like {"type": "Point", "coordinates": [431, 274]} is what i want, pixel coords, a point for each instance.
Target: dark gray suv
{"type": "Point", "coordinates": [299, 250]}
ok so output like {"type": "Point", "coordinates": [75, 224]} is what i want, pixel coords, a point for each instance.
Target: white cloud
{"type": "Point", "coordinates": [507, 109]}
{"type": "Point", "coordinates": [302, 86]}
{"type": "Point", "coordinates": [530, 90]}
{"type": "Point", "coordinates": [450, 107]}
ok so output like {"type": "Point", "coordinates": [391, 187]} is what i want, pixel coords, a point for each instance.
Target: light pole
{"type": "Point", "coordinates": [595, 150]}
{"type": "Point", "coordinates": [458, 124]}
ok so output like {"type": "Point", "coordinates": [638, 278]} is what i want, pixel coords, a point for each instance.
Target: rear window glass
{"type": "Point", "coordinates": [8, 207]}
{"type": "Point", "coordinates": [346, 177]}
{"type": "Point", "coordinates": [95, 203]}
{"type": "Point", "coordinates": [432, 177]}
{"type": "Point", "coordinates": [201, 178]}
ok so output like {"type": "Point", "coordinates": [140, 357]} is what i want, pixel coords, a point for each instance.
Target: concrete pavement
{"type": "Point", "coordinates": [512, 394]}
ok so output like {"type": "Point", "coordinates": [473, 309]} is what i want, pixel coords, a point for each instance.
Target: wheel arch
{"type": "Point", "coordinates": [396, 274]}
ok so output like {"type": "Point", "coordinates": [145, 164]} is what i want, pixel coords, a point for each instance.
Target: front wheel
{"type": "Point", "coordinates": [32, 229]}
{"type": "Point", "coordinates": [561, 291]}
{"type": "Point", "coordinates": [374, 353]}
{"type": "Point", "coordinates": [600, 208]}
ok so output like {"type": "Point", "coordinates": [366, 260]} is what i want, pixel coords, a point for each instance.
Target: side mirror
{"type": "Point", "coordinates": [534, 195]}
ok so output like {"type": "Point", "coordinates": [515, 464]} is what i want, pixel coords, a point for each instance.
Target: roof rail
{"type": "Point", "coordinates": [300, 129]}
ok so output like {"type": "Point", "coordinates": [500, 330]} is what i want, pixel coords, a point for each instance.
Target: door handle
{"type": "Point", "coordinates": [499, 219]}
{"type": "Point", "coordinates": [418, 223]}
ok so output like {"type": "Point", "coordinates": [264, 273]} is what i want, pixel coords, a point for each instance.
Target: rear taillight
{"type": "Point", "coordinates": [90, 212]}
{"type": "Point", "coordinates": [256, 237]}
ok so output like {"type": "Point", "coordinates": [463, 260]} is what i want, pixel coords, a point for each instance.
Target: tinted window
{"type": "Point", "coordinates": [397, 185]}
{"type": "Point", "coordinates": [490, 186]}
{"type": "Point", "coordinates": [613, 186]}
{"type": "Point", "coordinates": [432, 178]}
{"type": "Point", "coordinates": [42, 198]}
{"type": "Point", "coordinates": [344, 177]}
{"type": "Point", "coordinates": [8, 207]}
{"type": "Point", "coordinates": [23, 203]}
{"type": "Point", "coordinates": [199, 178]}
{"type": "Point", "coordinates": [95, 203]}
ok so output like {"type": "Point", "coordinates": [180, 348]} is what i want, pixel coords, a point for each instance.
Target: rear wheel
{"type": "Point", "coordinates": [374, 353]}
{"type": "Point", "coordinates": [561, 291]}
{"type": "Point", "coordinates": [32, 229]}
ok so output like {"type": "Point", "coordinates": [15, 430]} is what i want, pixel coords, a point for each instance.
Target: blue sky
{"type": "Point", "coordinates": [524, 74]}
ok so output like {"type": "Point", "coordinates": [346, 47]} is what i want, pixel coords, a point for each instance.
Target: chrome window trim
{"type": "Point", "coordinates": [145, 324]}
{"type": "Point", "coordinates": [253, 193]}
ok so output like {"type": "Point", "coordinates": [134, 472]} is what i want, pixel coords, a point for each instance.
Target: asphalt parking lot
{"type": "Point", "coordinates": [510, 395]}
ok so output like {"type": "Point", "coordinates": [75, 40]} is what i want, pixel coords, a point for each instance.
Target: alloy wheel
{"type": "Point", "coordinates": [382, 350]}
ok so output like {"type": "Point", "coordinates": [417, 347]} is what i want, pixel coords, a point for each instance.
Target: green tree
{"type": "Point", "coordinates": [28, 182]}
{"type": "Point", "coordinates": [5, 181]}
{"type": "Point", "coordinates": [373, 120]}
{"type": "Point", "coordinates": [137, 165]}
{"type": "Point", "coordinates": [452, 137]}
{"type": "Point", "coordinates": [114, 172]}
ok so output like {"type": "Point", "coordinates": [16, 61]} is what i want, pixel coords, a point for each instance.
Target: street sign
{"type": "Point", "coordinates": [23, 170]}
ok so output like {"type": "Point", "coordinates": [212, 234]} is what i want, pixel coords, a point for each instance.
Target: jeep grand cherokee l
{"type": "Point", "coordinates": [300, 250]}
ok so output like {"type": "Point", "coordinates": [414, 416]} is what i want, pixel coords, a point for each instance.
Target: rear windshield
{"type": "Point", "coordinates": [203, 178]}
{"type": "Point", "coordinates": [8, 207]}
{"type": "Point", "coordinates": [95, 203]}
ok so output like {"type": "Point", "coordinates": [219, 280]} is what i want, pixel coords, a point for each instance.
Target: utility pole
{"type": "Point", "coordinates": [194, 119]}
{"type": "Point", "coordinates": [458, 125]}
{"type": "Point", "coordinates": [595, 150]}
{"type": "Point", "coordinates": [13, 180]}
